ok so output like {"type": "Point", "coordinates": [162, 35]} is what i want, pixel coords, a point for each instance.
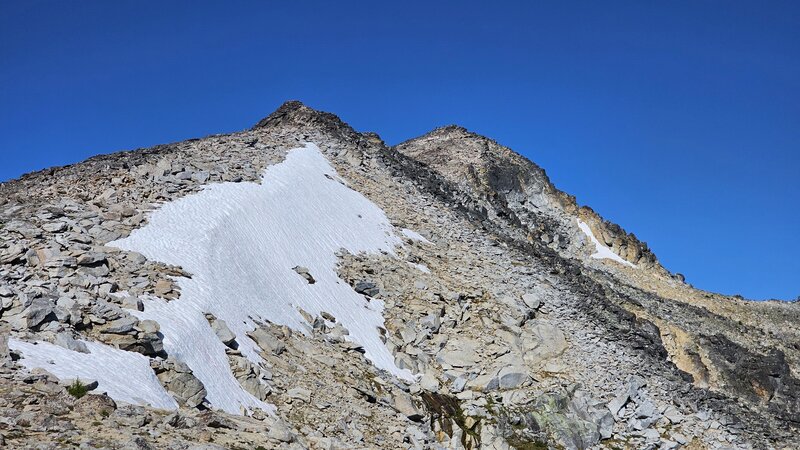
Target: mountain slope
{"type": "Point", "coordinates": [440, 293]}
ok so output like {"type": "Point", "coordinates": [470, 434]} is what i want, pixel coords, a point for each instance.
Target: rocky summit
{"type": "Point", "coordinates": [303, 285]}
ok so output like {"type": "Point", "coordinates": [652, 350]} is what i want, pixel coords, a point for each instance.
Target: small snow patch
{"type": "Point", "coordinates": [125, 376]}
{"type": "Point", "coordinates": [602, 252]}
{"type": "Point", "coordinates": [413, 235]}
{"type": "Point", "coordinates": [421, 267]}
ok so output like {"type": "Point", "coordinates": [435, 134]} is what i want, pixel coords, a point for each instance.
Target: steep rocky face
{"type": "Point", "coordinates": [521, 328]}
{"type": "Point", "coordinates": [509, 185]}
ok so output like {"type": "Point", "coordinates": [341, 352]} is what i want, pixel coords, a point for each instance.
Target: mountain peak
{"type": "Point", "coordinates": [295, 113]}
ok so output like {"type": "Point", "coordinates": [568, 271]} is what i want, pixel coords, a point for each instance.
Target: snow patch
{"type": "Point", "coordinates": [413, 235]}
{"type": "Point", "coordinates": [421, 267]}
{"type": "Point", "coordinates": [602, 252]}
{"type": "Point", "coordinates": [240, 241]}
{"type": "Point", "coordinates": [125, 376]}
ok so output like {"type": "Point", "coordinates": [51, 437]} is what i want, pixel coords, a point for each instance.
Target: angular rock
{"type": "Point", "coordinates": [303, 272]}
{"type": "Point", "coordinates": [511, 377]}
{"type": "Point", "coordinates": [299, 393]}
{"type": "Point", "coordinates": [223, 332]}
{"type": "Point", "coordinates": [122, 325]}
{"type": "Point", "coordinates": [531, 301]}
{"type": "Point", "coordinates": [91, 258]}
{"type": "Point", "coordinates": [134, 303]}
{"type": "Point", "coordinates": [429, 382]}
{"type": "Point", "coordinates": [280, 432]}
{"type": "Point", "coordinates": [406, 405]}
{"type": "Point", "coordinates": [461, 353]}
{"type": "Point", "coordinates": [178, 379]}
{"type": "Point", "coordinates": [15, 252]}
{"type": "Point", "coordinates": [66, 340]}
{"type": "Point", "coordinates": [162, 287]}
{"type": "Point", "coordinates": [267, 341]}
{"type": "Point", "coordinates": [367, 288]}
{"type": "Point", "coordinates": [95, 404]}
{"type": "Point", "coordinates": [39, 311]}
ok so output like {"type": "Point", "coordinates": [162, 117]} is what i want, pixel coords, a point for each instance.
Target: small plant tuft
{"type": "Point", "coordinates": [77, 389]}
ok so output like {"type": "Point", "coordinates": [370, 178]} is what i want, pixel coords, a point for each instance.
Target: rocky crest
{"type": "Point", "coordinates": [518, 189]}
{"type": "Point", "coordinates": [518, 334]}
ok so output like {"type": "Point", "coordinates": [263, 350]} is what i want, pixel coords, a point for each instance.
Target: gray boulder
{"type": "Point", "coordinates": [303, 272]}
{"type": "Point", "coordinates": [122, 325]}
{"type": "Point", "coordinates": [405, 404]}
{"type": "Point", "coordinates": [531, 301]}
{"type": "Point", "coordinates": [367, 288]}
{"type": "Point", "coordinates": [91, 258]}
{"type": "Point", "coordinates": [66, 340]}
{"type": "Point", "coordinates": [223, 332]}
{"type": "Point", "coordinates": [267, 341]}
{"type": "Point", "coordinates": [178, 379]}
{"type": "Point", "coordinates": [511, 377]}
{"type": "Point", "coordinates": [299, 393]}
{"type": "Point", "coordinates": [39, 311]}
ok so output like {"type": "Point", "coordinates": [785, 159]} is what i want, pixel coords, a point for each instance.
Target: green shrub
{"type": "Point", "coordinates": [77, 389]}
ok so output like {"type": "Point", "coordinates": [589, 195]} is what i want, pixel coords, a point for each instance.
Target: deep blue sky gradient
{"type": "Point", "coordinates": [678, 120]}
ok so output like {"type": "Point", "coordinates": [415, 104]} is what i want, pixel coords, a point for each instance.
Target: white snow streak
{"type": "Point", "coordinates": [240, 242]}
{"type": "Point", "coordinates": [125, 376]}
{"type": "Point", "coordinates": [602, 252]}
{"type": "Point", "coordinates": [421, 267]}
{"type": "Point", "coordinates": [411, 234]}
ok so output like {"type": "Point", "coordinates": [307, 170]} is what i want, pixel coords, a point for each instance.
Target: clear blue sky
{"type": "Point", "coordinates": [678, 120]}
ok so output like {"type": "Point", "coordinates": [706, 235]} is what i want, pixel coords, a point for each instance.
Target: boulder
{"type": "Point", "coordinates": [367, 288]}
{"type": "Point", "coordinates": [542, 342]}
{"type": "Point", "coordinates": [303, 272]}
{"type": "Point", "coordinates": [431, 322]}
{"type": "Point", "coordinates": [162, 287]}
{"type": "Point", "coordinates": [66, 340]}
{"type": "Point", "coordinates": [429, 382]}
{"type": "Point", "coordinates": [223, 332]}
{"type": "Point", "coordinates": [95, 404]}
{"type": "Point", "coordinates": [123, 325]}
{"type": "Point", "coordinates": [12, 254]}
{"type": "Point", "coordinates": [458, 384]}
{"type": "Point", "coordinates": [280, 432]}
{"type": "Point", "coordinates": [531, 301]}
{"type": "Point", "coordinates": [459, 353]}
{"type": "Point", "coordinates": [149, 344]}
{"type": "Point", "coordinates": [179, 380]}
{"type": "Point", "coordinates": [249, 376]}
{"type": "Point", "coordinates": [267, 341]}
{"type": "Point", "coordinates": [39, 311]}
{"type": "Point", "coordinates": [134, 303]}
{"type": "Point", "coordinates": [405, 405]}
{"type": "Point", "coordinates": [299, 393]}
{"type": "Point", "coordinates": [4, 352]}
{"type": "Point", "coordinates": [511, 377]}
{"type": "Point", "coordinates": [91, 258]}
{"type": "Point", "coordinates": [137, 443]}
{"type": "Point", "coordinates": [148, 326]}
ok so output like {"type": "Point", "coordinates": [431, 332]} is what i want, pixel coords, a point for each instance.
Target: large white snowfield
{"type": "Point", "coordinates": [240, 243]}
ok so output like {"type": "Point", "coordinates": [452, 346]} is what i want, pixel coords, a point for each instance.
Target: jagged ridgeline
{"type": "Point", "coordinates": [303, 285]}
